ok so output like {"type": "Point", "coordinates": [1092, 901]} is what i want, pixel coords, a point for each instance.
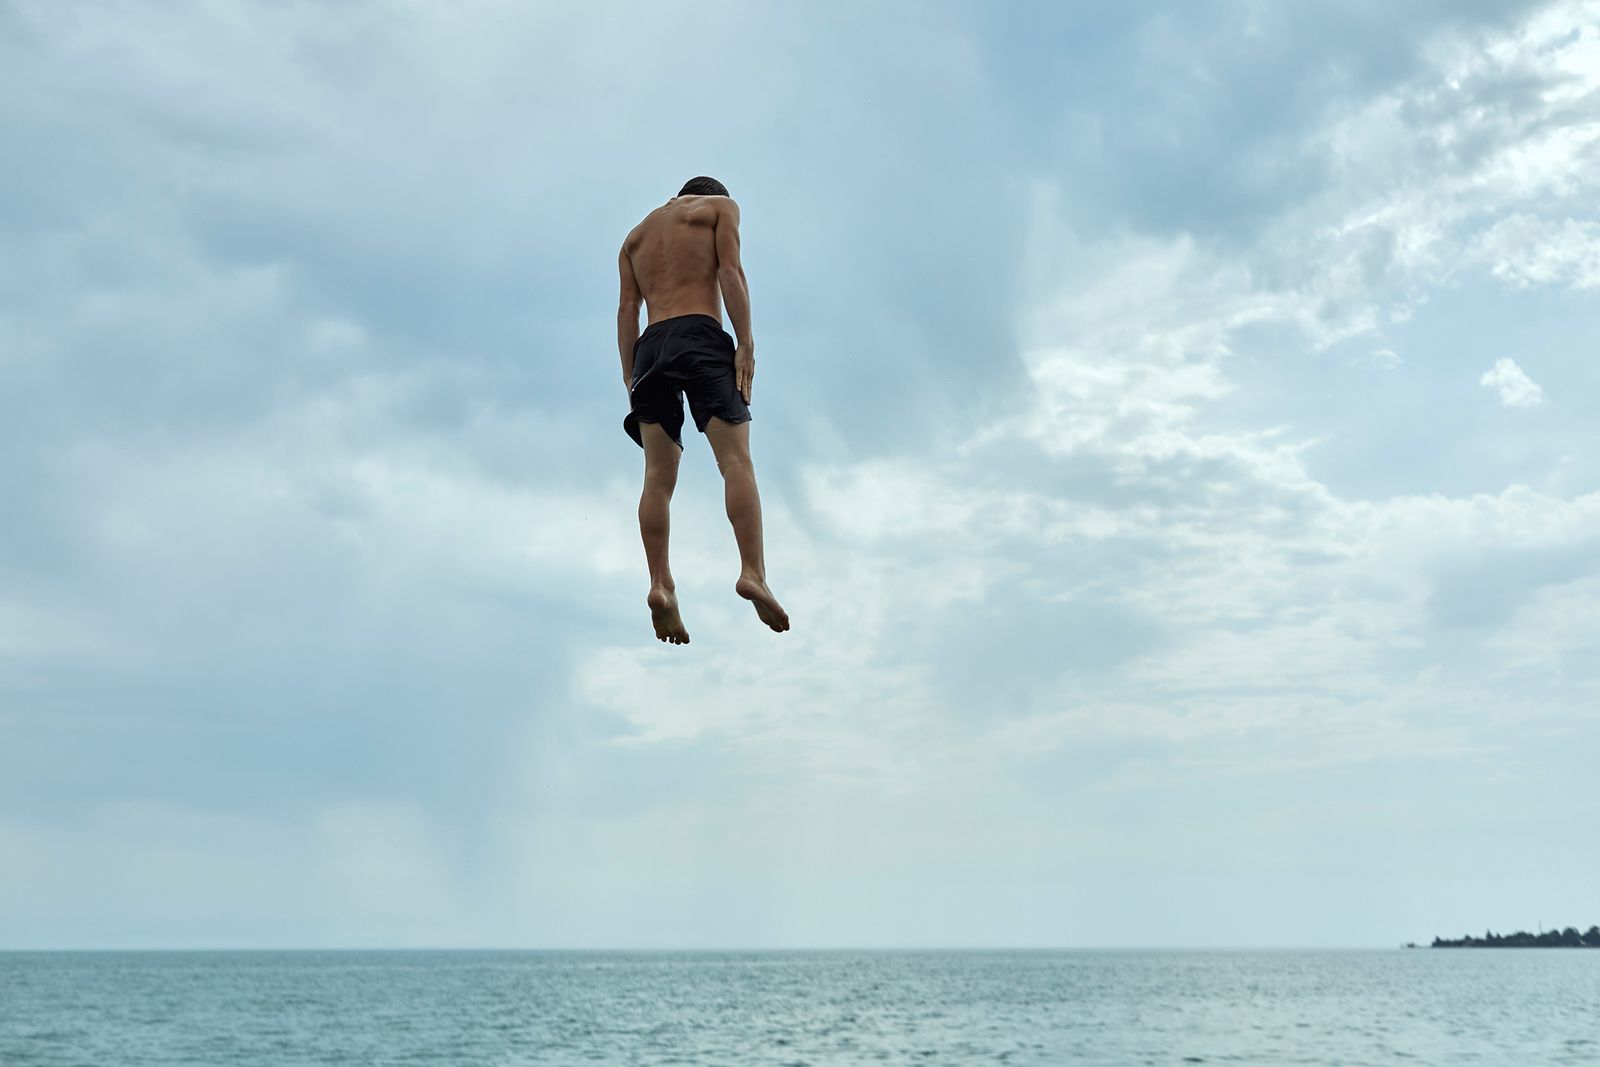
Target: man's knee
{"type": "Point", "coordinates": [661, 479]}
{"type": "Point", "coordinates": [734, 461]}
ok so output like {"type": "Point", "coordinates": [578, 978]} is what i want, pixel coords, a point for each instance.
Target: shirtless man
{"type": "Point", "coordinates": [674, 262]}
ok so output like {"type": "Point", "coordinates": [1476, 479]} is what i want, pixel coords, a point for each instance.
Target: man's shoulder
{"type": "Point", "coordinates": [721, 211]}
{"type": "Point", "coordinates": [703, 210]}
{"type": "Point", "coordinates": [706, 211]}
{"type": "Point", "coordinates": [716, 203]}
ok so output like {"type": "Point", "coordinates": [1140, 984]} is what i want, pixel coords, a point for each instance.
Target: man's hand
{"type": "Point", "coordinates": [744, 369]}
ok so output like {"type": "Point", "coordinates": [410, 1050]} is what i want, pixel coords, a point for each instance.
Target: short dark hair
{"type": "Point", "coordinates": [703, 186]}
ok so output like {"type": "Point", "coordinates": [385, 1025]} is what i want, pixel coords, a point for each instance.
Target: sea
{"type": "Point", "coordinates": [1517, 1007]}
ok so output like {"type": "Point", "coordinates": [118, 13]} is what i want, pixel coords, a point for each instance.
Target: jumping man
{"type": "Point", "coordinates": [674, 262]}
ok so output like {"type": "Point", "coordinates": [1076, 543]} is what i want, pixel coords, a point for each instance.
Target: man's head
{"type": "Point", "coordinates": [703, 186]}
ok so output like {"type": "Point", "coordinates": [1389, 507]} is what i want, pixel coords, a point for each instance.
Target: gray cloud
{"type": "Point", "coordinates": [319, 543]}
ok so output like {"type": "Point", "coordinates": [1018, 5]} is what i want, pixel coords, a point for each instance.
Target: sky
{"type": "Point", "coordinates": [1174, 422]}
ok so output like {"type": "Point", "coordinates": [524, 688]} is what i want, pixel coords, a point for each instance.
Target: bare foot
{"type": "Point", "coordinates": [767, 607]}
{"type": "Point", "coordinates": [664, 613]}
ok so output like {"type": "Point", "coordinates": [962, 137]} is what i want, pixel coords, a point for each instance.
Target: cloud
{"type": "Point", "coordinates": [1529, 251]}
{"type": "Point", "coordinates": [1516, 389]}
{"type": "Point", "coordinates": [1110, 519]}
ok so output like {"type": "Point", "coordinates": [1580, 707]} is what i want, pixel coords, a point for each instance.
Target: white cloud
{"type": "Point", "coordinates": [1516, 389]}
{"type": "Point", "coordinates": [1529, 251]}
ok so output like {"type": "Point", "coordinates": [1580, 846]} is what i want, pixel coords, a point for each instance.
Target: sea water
{"type": "Point", "coordinates": [113, 1009]}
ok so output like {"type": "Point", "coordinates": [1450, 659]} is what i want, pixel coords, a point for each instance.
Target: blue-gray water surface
{"type": "Point", "coordinates": [496, 1009]}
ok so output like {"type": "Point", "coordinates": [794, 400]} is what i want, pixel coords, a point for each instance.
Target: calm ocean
{"type": "Point", "coordinates": [105, 1009]}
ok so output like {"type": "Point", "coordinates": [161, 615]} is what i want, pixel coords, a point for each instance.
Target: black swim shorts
{"type": "Point", "coordinates": [689, 354]}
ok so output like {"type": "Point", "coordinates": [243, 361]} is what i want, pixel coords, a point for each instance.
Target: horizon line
{"type": "Point", "coordinates": [714, 949]}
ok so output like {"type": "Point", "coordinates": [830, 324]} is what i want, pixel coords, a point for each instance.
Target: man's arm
{"type": "Point", "coordinates": [736, 295]}
{"type": "Point", "coordinates": [628, 315]}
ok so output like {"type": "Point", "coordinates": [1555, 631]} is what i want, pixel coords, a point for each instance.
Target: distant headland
{"type": "Point", "coordinates": [1568, 938]}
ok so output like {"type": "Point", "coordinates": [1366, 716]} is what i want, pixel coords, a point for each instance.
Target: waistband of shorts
{"type": "Point", "coordinates": [680, 320]}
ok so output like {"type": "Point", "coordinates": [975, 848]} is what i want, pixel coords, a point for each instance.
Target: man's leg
{"type": "Point", "coordinates": [660, 479]}
{"type": "Point", "coordinates": [731, 443]}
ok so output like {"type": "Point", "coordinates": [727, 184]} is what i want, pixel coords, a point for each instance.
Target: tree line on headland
{"type": "Point", "coordinates": [1568, 938]}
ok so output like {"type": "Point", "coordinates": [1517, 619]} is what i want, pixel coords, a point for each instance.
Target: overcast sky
{"type": "Point", "coordinates": [1176, 427]}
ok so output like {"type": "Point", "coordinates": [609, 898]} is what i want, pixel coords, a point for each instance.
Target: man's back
{"type": "Point", "coordinates": [675, 256]}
